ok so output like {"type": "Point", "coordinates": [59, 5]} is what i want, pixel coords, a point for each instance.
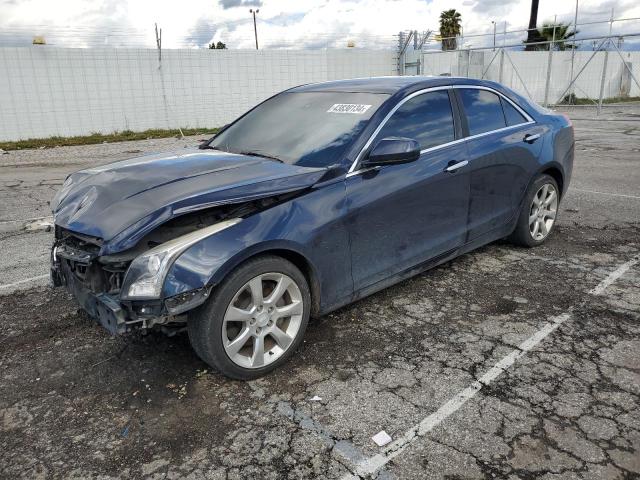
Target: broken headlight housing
{"type": "Point", "coordinates": [146, 274]}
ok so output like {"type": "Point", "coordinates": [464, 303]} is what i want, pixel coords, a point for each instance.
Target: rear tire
{"type": "Point", "coordinates": [254, 320]}
{"type": "Point", "coordinates": [538, 213]}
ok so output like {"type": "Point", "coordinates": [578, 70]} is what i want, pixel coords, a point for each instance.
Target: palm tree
{"type": "Point", "coordinates": [562, 34]}
{"type": "Point", "coordinates": [450, 27]}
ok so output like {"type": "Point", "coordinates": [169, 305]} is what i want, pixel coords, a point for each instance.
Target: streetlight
{"type": "Point", "coordinates": [255, 29]}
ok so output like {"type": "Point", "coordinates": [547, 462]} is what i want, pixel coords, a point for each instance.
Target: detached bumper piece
{"type": "Point", "coordinates": [110, 315]}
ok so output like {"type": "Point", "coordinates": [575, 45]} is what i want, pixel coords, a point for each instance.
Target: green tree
{"type": "Point", "coordinates": [450, 26]}
{"type": "Point", "coordinates": [562, 36]}
{"type": "Point", "coordinates": [218, 46]}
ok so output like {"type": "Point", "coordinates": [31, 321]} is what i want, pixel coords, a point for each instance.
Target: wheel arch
{"type": "Point", "coordinates": [555, 172]}
{"type": "Point", "coordinates": [286, 251]}
{"type": "Point", "coordinates": [552, 169]}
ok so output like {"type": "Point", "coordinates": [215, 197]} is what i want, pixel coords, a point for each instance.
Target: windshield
{"type": "Point", "coordinates": [311, 129]}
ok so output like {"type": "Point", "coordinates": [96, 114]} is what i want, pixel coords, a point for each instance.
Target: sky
{"type": "Point", "coordinates": [285, 23]}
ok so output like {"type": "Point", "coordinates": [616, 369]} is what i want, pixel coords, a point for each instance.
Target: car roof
{"type": "Point", "coordinates": [389, 85]}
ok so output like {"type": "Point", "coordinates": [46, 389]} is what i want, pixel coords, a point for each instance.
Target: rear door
{"type": "Point", "coordinates": [403, 215]}
{"type": "Point", "coordinates": [503, 145]}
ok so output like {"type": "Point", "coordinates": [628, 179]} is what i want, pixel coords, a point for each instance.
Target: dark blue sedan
{"type": "Point", "coordinates": [319, 196]}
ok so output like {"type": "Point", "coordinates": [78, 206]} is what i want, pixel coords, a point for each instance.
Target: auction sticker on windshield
{"type": "Point", "coordinates": [357, 108]}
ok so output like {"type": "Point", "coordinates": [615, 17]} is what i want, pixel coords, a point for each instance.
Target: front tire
{"type": "Point", "coordinates": [538, 214]}
{"type": "Point", "coordinates": [254, 320]}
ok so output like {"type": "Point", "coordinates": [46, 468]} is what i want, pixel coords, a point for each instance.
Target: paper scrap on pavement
{"type": "Point", "coordinates": [315, 398]}
{"type": "Point", "coordinates": [381, 438]}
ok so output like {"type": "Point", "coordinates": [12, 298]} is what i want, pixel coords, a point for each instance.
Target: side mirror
{"type": "Point", "coordinates": [392, 150]}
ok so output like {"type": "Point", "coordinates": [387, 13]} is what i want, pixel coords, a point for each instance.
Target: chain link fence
{"type": "Point", "coordinates": [592, 71]}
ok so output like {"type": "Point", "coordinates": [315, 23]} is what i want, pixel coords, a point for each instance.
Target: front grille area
{"type": "Point", "coordinates": [78, 256]}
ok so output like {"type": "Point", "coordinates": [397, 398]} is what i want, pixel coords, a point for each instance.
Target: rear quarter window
{"type": "Point", "coordinates": [511, 115]}
{"type": "Point", "coordinates": [483, 110]}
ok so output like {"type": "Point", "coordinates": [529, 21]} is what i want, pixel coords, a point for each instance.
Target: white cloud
{"type": "Point", "coordinates": [298, 23]}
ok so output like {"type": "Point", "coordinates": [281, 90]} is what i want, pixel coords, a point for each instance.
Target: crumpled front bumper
{"type": "Point", "coordinates": [106, 309]}
{"type": "Point", "coordinates": [120, 317]}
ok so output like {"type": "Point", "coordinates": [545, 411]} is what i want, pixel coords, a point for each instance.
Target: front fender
{"type": "Point", "coordinates": [312, 226]}
{"type": "Point", "coordinates": [209, 261]}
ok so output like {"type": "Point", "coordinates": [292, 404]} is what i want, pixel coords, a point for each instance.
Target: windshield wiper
{"type": "Point", "coordinates": [258, 154]}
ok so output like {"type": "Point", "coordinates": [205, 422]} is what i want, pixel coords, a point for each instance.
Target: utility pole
{"type": "Point", "coordinates": [255, 29]}
{"type": "Point", "coordinates": [532, 31]}
{"type": "Point", "coordinates": [159, 44]}
{"type": "Point", "coordinates": [494, 35]}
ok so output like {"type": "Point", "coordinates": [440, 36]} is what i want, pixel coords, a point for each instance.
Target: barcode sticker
{"type": "Point", "coordinates": [356, 108]}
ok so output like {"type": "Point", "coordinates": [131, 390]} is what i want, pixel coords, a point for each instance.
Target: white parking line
{"type": "Point", "coordinates": [26, 280]}
{"type": "Point", "coordinates": [613, 276]}
{"type": "Point", "coordinates": [371, 465]}
{"type": "Point", "coordinates": [606, 193]}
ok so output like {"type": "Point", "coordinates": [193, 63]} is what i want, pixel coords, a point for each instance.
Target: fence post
{"type": "Point", "coordinates": [501, 65]}
{"type": "Point", "coordinates": [603, 79]}
{"type": "Point", "coordinates": [573, 48]}
{"type": "Point", "coordinates": [604, 67]}
{"type": "Point", "coordinates": [549, 62]}
{"type": "Point", "coordinates": [400, 52]}
{"type": "Point", "coordinates": [468, 61]}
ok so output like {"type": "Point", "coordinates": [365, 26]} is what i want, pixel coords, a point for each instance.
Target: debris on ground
{"type": "Point", "coordinates": [180, 390]}
{"type": "Point", "coordinates": [381, 438]}
{"type": "Point", "coordinates": [45, 224]}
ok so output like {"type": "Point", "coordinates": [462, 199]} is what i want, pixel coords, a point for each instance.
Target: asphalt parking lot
{"type": "Point", "coordinates": [505, 363]}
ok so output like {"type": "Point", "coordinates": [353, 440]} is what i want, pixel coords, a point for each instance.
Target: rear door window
{"type": "Point", "coordinates": [426, 118]}
{"type": "Point", "coordinates": [513, 116]}
{"type": "Point", "coordinates": [483, 110]}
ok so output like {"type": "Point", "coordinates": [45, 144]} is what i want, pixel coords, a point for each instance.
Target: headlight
{"type": "Point", "coordinates": [147, 272]}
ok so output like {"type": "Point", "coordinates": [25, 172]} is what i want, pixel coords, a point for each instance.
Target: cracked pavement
{"type": "Point", "coordinates": [76, 403]}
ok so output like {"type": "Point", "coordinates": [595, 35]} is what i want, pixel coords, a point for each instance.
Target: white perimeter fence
{"type": "Point", "coordinates": [47, 91]}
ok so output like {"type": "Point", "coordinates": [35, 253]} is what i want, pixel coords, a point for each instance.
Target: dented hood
{"type": "Point", "coordinates": [122, 201]}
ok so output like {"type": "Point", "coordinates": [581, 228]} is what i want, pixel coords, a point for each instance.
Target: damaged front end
{"type": "Point", "coordinates": [101, 285]}
{"type": "Point", "coordinates": [120, 227]}
{"type": "Point", "coordinates": [123, 291]}
{"type": "Point", "coordinates": [96, 286]}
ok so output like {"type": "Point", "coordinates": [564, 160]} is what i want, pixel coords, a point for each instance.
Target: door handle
{"type": "Point", "coordinates": [453, 166]}
{"type": "Point", "coordinates": [531, 138]}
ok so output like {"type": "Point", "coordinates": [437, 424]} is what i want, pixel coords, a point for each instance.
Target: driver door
{"type": "Point", "coordinates": [401, 216]}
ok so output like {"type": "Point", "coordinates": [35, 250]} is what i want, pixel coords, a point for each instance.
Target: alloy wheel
{"type": "Point", "coordinates": [262, 320]}
{"type": "Point", "coordinates": [542, 214]}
